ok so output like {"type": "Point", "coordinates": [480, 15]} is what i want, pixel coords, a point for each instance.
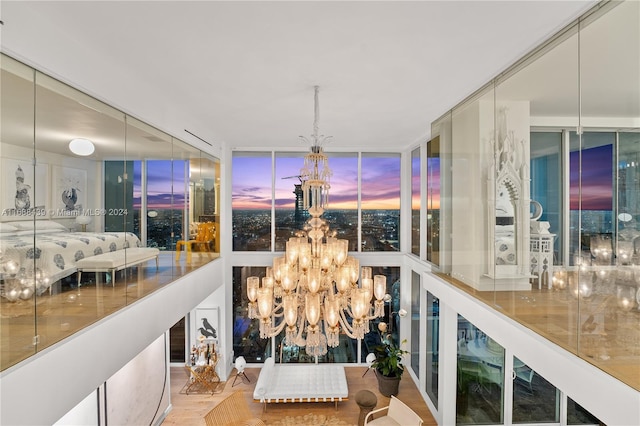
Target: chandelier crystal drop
{"type": "Point", "coordinates": [312, 293]}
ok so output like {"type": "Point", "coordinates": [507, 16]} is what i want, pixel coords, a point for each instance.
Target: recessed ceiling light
{"type": "Point", "coordinates": [80, 146]}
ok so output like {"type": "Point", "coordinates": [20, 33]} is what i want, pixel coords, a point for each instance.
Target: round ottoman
{"type": "Point", "coordinates": [367, 401]}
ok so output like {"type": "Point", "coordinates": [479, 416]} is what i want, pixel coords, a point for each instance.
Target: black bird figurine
{"type": "Point", "coordinates": [209, 327]}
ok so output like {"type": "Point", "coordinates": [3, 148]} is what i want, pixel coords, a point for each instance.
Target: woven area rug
{"type": "Point", "coordinates": [310, 420]}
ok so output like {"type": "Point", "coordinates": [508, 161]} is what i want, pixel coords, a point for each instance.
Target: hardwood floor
{"type": "Point", "coordinates": [188, 410]}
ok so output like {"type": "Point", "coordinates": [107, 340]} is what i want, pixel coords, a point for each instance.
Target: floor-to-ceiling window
{"type": "Point", "coordinates": [342, 214]}
{"type": "Point", "coordinates": [433, 200]}
{"type": "Point", "coordinates": [246, 332]}
{"type": "Point", "coordinates": [415, 201]}
{"type": "Point", "coordinates": [546, 183]}
{"type": "Point", "coordinates": [251, 201]}
{"type": "Point", "coordinates": [380, 205]}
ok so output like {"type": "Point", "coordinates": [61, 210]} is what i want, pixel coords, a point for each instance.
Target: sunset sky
{"type": "Point", "coordinates": [433, 180]}
{"type": "Point", "coordinates": [380, 182]}
{"type": "Point", "coordinates": [252, 181]}
{"type": "Point", "coordinates": [597, 178]}
{"type": "Point", "coordinates": [159, 184]}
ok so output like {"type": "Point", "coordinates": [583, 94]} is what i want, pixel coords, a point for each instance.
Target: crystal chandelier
{"type": "Point", "coordinates": [312, 292]}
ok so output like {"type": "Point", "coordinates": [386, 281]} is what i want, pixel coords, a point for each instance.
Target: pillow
{"type": "Point", "coordinates": [28, 225]}
{"type": "Point", "coordinates": [6, 227]}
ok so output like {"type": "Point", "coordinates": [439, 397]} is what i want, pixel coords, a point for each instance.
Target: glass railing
{"type": "Point", "coordinates": [538, 185]}
{"type": "Point", "coordinates": [98, 209]}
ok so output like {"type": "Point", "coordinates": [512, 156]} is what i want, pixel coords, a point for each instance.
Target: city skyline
{"type": "Point", "coordinates": [251, 181]}
{"type": "Point", "coordinates": [380, 173]}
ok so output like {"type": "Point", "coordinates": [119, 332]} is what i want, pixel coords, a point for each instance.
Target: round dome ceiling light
{"type": "Point", "coordinates": [625, 217]}
{"type": "Point", "coordinates": [80, 146]}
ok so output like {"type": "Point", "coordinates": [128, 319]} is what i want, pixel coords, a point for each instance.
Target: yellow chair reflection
{"type": "Point", "coordinates": [205, 239]}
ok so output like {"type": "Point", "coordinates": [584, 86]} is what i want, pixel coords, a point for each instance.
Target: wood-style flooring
{"type": "Point", "coordinates": [188, 410]}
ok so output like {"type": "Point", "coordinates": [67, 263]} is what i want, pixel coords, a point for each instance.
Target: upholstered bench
{"type": "Point", "coordinates": [114, 261]}
{"type": "Point", "coordinates": [301, 383]}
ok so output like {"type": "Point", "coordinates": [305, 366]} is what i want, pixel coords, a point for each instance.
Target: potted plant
{"type": "Point", "coordinates": [388, 364]}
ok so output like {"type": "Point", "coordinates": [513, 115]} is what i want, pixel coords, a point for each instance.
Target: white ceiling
{"type": "Point", "coordinates": [241, 74]}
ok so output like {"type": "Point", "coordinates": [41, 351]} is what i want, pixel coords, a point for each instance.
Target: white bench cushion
{"type": "Point", "coordinates": [301, 382]}
{"type": "Point", "coordinates": [117, 259]}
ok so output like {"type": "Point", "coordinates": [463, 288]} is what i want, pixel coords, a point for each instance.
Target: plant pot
{"type": "Point", "coordinates": [387, 385]}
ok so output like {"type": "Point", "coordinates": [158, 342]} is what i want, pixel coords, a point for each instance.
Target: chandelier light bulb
{"type": "Point", "coordinates": [253, 284]}
{"type": "Point", "coordinates": [331, 311]}
{"type": "Point", "coordinates": [312, 305]}
{"type": "Point", "coordinates": [379, 286]}
{"type": "Point", "coordinates": [265, 302]}
{"type": "Point", "coordinates": [290, 304]}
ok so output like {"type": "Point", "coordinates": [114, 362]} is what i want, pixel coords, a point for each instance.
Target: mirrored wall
{"type": "Point", "coordinates": [538, 171]}
{"type": "Point", "coordinates": [98, 209]}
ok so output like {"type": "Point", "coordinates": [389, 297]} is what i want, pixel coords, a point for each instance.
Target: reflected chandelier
{"type": "Point", "coordinates": [312, 292]}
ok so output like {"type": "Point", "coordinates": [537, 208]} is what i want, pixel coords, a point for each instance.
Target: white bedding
{"type": "Point", "coordinates": [301, 383]}
{"type": "Point", "coordinates": [57, 251]}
